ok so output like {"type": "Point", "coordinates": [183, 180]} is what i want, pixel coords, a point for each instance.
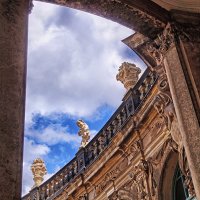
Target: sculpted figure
{"type": "Point", "coordinates": [83, 132]}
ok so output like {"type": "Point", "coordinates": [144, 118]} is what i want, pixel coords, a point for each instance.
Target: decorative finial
{"type": "Point", "coordinates": [38, 169]}
{"type": "Point", "coordinates": [128, 75]}
{"type": "Point", "coordinates": [83, 132]}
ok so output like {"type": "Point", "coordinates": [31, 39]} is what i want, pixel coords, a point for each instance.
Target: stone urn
{"type": "Point", "coordinates": [38, 169]}
{"type": "Point", "coordinates": [128, 75]}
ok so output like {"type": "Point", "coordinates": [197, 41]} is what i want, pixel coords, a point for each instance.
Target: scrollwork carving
{"type": "Point", "coordinates": [143, 178]}
{"type": "Point", "coordinates": [157, 48]}
{"type": "Point", "coordinates": [165, 109]}
{"type": "Point", "coordinates": [111, 176]}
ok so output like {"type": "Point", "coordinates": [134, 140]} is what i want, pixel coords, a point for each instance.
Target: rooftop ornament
{"type": "Point", "coordinates": [128, 75]}
{"type": "Point", "coordinates": [38, 169]}
{"type": "Point", "coordinates": [83, 132]}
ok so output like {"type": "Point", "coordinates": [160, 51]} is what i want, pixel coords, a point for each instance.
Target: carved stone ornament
{"type": "Point", "coordinates": [38, 169]}
{"type": "Point", "coordinates": [165, 109]}
{"type": "Point", "coordinates": [83, 132]}
{"type": "Point", "coordinates": [128, 75]}
{"type": "Point", "coordinates": [111, 176]}
{"type": "Point", "coordinates": [144, 181]}
{"type": "Point", "coordinates": [126, 192]}
{"type": "Point", "coordinates": [161, 44]}
{"type": "Point", "coordinates": [158, 47]}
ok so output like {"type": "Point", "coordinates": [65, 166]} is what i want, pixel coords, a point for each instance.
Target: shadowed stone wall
{"type": "Point", "coordinates": [13, 48]}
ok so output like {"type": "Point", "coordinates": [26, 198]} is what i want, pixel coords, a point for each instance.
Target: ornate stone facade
{"type": "Point", "coordinates": [166, 100]}
{"type": "Point", "coordinates": [126, 161]}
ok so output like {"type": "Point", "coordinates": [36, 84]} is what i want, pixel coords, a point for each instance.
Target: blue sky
{"type": "Point", "coordinates": [73, 59]}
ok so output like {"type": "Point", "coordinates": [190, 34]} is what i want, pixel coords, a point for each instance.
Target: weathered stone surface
{"type": "Point", "coordinates": [146, 18]}
{"type": "Point", "coordinates": [13, 43]}
{"type": "Point", "coordinates": [187, 119]}
{"type": "Point", "coordinates": [143, 16]}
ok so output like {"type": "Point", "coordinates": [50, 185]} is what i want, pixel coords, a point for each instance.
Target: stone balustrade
{"type": "Point", "coordinates": [87, 155]}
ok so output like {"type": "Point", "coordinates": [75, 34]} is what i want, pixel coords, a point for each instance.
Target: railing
{"type": "Point", "coordinates": [85, 156]}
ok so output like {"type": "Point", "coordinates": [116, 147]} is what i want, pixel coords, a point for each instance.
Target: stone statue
{"type": "Point", "coordinates": [128, 75]}
{"type": "Point", "coordinates": [38, 169]}
{"type": "Point", "coordinates": [83, 132]}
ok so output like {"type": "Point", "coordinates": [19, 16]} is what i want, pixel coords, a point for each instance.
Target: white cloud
{"type": "Point", "coordinates": [73, 60]}
{"type": "Point", "coordinates": [56, 134]}
{"type": "Point", "coordinates": [52, 135]}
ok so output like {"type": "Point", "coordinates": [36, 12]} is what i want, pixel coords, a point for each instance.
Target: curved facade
{"type": "Point", "coordinates": [131, 160]}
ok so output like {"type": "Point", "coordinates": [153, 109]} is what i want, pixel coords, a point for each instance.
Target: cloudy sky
{"type": "Point", "coordinates": [73, 58]}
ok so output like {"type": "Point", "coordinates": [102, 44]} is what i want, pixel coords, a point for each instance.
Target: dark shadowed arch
{"type": "Point", "coordinates": [143, 16]}
{"type": "Point", "coordinates": [167, 176]}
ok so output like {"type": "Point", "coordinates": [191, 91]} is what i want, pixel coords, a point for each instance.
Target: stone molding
{"type": "Point", "coordinates": [131, 14]}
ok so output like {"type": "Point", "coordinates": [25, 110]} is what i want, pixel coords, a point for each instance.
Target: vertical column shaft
{"type": "Point", "coordinates": [13, 52]}
{"type": "Point", "coordinates": [186, 113]}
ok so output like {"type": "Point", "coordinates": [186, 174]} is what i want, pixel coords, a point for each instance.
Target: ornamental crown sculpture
{"type": "Point", "coordinates": [128, 75]}
{"type": "Point", "coordinates": [83, 132]}
{"type": "Point", "coordinates": [38, 169]}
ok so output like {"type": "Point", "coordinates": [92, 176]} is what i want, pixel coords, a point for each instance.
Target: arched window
{"type": "Point", "coordinates": [180, 192]}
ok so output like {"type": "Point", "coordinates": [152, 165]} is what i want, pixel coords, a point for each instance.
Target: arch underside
{"type": "Point", "coordinates": [142, 16]}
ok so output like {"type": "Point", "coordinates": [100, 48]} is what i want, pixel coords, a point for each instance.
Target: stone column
{"type": "Point", "coordinates": [185, 109]}
{"type": "Point", "coordinates": [13, 50]}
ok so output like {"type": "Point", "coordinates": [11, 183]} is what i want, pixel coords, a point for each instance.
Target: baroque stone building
{"type": "Point", "coordinates": [149, 149]}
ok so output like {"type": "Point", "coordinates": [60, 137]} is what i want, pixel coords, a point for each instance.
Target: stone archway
{"type": "Point", "coordinates": [167, 175]}
{"type": "Point", "coordinates": [143, 16]}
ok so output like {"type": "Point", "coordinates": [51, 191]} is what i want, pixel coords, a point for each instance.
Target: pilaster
{"type": "Point", "coordinates": [174, 55]}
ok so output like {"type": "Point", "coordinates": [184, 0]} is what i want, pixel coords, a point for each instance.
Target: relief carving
{"type": "Point", "coordinates": [126, 192]}
{"type": "Point", "coordinates": [111, 176]}
{"type": "Point", "coordinates": [143, 178]}
{"type": "Point", "coordinates": [165, 109]}
{"type": "Point", "coordinates": [158, 47]}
